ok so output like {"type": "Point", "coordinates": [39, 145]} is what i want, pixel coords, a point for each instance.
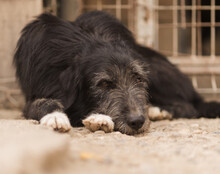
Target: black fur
{"type": "Point", "coordinates": [58, 60]}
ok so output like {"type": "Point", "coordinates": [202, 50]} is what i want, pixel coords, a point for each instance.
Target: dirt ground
{"type": "Point", "coordinates": [170, 147]}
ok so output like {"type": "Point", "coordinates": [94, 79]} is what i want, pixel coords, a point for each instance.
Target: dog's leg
{"type": "Point", "coordinates": [174, 110]}
{"type": "Point", "coordinates": [181, 110]}
{"type": "Point", "coordinates": [96, 122]}
{"type": "Point", "coordinates": [156, 113]}
{"type": "Point", "coordinates": [49, 113]}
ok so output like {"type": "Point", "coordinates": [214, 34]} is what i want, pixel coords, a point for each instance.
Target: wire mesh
{"type": "Point", "coordinates": [122, 9]}
{"type": "Point", "coordinates": [195, 40]}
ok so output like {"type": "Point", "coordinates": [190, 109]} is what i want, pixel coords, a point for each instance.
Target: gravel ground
{"type": "Point", "coordinates": [171, 147]}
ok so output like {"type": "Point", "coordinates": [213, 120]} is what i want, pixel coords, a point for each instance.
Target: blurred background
{"type": "Point", "coordinates": [186, 31]}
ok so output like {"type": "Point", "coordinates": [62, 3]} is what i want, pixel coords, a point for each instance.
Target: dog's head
{"type": "Point", "coordinates": [118, 87]}
{"type": "Point", "coordinates": [113, 82]}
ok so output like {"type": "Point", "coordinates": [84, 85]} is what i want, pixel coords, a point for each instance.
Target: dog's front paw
{"type": "Point", "coordinates": [155, 113]}
{"type": "Point", "coordinates": [56, 120]}
{"type": "Point", "coordinates": [96, 122]}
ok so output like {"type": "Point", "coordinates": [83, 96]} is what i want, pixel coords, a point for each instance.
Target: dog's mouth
{"type": "Point", "coordinates": [124, 128]}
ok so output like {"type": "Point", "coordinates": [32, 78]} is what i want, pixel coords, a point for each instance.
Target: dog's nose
{"type": "Point", "coordinates": [135, 122]}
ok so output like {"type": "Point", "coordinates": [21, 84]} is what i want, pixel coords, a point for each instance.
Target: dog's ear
{"type": "Point", "coordinates": [69, 82]}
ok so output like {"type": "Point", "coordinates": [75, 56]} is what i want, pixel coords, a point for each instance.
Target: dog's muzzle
{"type": "Point", "coordinates": [135, 121]}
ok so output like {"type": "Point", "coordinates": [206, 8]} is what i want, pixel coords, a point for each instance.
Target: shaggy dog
{"type": "Point", "coordinates": [93, 70]}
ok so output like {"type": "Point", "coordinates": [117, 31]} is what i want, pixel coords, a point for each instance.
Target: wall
{"type": "Point", "coordinates": [13, 17]}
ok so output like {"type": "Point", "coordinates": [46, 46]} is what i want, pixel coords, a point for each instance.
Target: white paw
{"type": "Point", "coordinates": [96, 122]}
{"type": "Point", "coordinates": [155, 113]}
{"type": "Point", "coordinates": [56, 120]}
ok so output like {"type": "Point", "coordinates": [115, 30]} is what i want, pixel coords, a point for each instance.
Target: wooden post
{"type": "Point", "coordinates": [69, 9]}
{"type": "Point", "coordinates": [145, 29]}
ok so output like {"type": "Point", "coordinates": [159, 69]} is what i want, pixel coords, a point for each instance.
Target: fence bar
{"type": "Point", "coordinates": [175, 29]}
{"type": "Point", "coordinates": [131, 13]}
{"type": "Point", "coordinates": [213, 82]}
{"type": "Point", "coordinates": [193, 49]}
{"type": "Point", "coordinates": [212, 29]}
{"type": "Point", "coordinates": [198, 7]}
{"type": "Point", "coordinates": [194, 81]}
{"type": "Point", "coordinates": [157, 25]}
{"type": "Point", "coordinates": [118, 9]}
{"type": "Point", "coordinates": [197, 24]}
{"type": "Point", "coordinates": [183, 14]}
{"type": "Point", "coordinates": [199, 33]}
{"type": "Point", "coordinates": [99, 5]}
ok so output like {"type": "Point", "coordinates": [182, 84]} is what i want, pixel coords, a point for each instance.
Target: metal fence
{"type": "Point", "coordinates": [193, 27]}
{"type": "Point", "coordinates": [122, 9]}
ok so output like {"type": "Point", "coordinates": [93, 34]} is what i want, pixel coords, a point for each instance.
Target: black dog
{"type": "Point", "coordinates": [93, 69]}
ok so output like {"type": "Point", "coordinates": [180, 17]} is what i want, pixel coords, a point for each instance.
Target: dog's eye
{"type": "Point", "coordinates": [139, 80]}
{"type": "Point", "coordinates": [106, 84]}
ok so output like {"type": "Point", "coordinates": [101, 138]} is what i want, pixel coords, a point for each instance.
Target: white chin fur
{"type": "Point", "coordinates": [56, 120]}
{"type": "Point", "coordinates": [96, 122]}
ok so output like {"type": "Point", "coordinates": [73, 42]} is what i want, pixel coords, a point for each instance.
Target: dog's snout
{"type": "Point", "coordinates": [135, 122]}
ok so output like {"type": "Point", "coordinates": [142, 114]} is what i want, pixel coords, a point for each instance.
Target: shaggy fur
{"type": "Point", "coordinates": [94, 65]}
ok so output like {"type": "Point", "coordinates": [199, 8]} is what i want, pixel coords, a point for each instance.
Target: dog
{"type": "Point", "coordinates": [91, 71]}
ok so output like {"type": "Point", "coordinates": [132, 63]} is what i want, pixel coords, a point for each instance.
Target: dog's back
{"type": "Point", "coordinates": [105, 26]}
{"type": "Point", "coordinates": [46, 46]}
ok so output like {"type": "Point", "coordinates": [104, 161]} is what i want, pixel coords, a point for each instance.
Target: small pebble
{"type": "Point", "coordinates": [204, 132]}
{"type": "Point", "coordinates": [184, 132]}
{"type": "Point", "coordinates": [197, 132]}
{"type": "Point", "coordinates": [216, 132]}
{"type": "Point", "coordinates": [117, 133]}
{"type": "Point", "coordinates": [34, 121]}
{"type": "Point", "coordinates": [90, 156]}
